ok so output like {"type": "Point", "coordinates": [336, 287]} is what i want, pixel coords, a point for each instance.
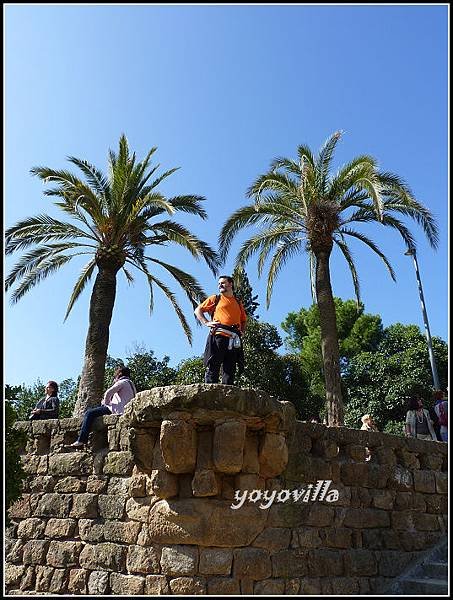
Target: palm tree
{"type": "Point", "coordinates": [113, 222]}
{"type": "Point", "coordinates": [299, 206]}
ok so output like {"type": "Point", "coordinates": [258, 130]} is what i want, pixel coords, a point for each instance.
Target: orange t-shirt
{"type": "Point", "coordinates": [228, 311]}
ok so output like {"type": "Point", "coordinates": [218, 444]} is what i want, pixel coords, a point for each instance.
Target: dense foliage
{"type": "Point", "coordinates": [14, 441]}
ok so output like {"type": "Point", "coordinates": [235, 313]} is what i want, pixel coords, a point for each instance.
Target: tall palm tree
{"type": "Point", "coordinates": [114, 222]}
{"type": "Point", "coordinates": [300, 206]}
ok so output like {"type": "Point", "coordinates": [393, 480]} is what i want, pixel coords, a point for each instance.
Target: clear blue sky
{"type": "Point", "coordinates": [221, 91]}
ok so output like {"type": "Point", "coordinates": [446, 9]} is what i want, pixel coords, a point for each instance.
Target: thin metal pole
{"type": "Point", "coordinates": [432, 360]}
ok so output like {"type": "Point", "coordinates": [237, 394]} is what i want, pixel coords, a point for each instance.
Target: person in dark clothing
{"type": "Point", "coordinates": [227, 324]}
{"type": "Point", "coordinates": [49, 406]}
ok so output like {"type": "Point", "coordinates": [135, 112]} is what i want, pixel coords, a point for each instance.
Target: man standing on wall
{"type": "Point", "coordinates": [226, 324]}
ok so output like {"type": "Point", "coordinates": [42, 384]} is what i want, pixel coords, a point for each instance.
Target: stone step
{"type": "Point", "coordinates": [433, 587]}
{"type": "Point", "coordinates": [435, 570]}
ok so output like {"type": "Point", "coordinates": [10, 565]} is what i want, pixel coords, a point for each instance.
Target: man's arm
{"type": "Point", "coordinates": [199, 313]}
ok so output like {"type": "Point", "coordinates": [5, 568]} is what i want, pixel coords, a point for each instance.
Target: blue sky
{"type": "Point", "coordinates": [221, 91]}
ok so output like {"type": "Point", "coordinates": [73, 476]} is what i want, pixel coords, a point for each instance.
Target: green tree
{"type": "Point", "coordinates": [14, 441]}
{"type": "Point", "coordinates": [190, 370]}
{"type": "Point", "coordinates": [381, 382]}
{"type": "Point", "coordinates": [113, 222]}
{"type": "Point", "coordinates": [300, 207]}
{"type": "Point", "coordinates": [244, 292]}
{"type": "Point", "coordinates": [146, 370]}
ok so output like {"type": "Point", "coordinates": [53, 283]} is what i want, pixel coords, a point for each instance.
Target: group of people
{"type": "Point", "coordinates": [226, 323]}
{"type": "Point", "coordinates": [225, 317]}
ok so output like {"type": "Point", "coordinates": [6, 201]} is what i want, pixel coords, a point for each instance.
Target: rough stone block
{"type": "Point", "coordinates": [223, 586]}
{"type": "Point", "coordinates": [441, 483]}
{"type": "Point", "coordinates": [54, 505]}
{"type": "Point", "coordinates": [383, 499]}
{"type": "Point", "coordinates": [384, 455]}
{"type": "Point", "coordinates": [111, 507]}
{"type": "Point", "coordinates": [271, 587]}
{"type": "Point", "coordinates": [273, 455]}
{"type": "Point", "coordinates": [126, 585]}
{"type": "Point", "coordinates": [98, 582]}
{"type": "Point", "coordinates": [142, 559]}
{"type": "Point", "coordinates": [43, 578]}
{"type": "Point", "coordinates": [204, 450]}
{"type": "Point", "coordinates": [125, 532]}
{"type": "Point", "coordinates": [337, 537]}
{"type": "Point", "coordinates": [273, 539]}
{"type": "Point", "coordinates": [137, 485]}
{"type": "Point", "coordinates": [188, 586]}
{"type": "Point", "coordinates": [310, 586]}
{"type": "Point", "coordinates": [366, 518]}
{"type": "Point", "coordinates": [13, 575]}
{"type": "Point", "coordinates": [142, 443]}
{"type": "Point", "coordinates": [96, 485]}
{"type": "Point", "coordinates": [252, 563]}
{"type": "Point", "coordinates": [163, 484]}
{"type": "Point", "coordinates": [118, 486]}
{"type": "Point", "coordinates": [32, 528]}
{"type": "Point", "coordinates": [119, 463]}
{"type": "Point", "coordinates": [228, 446]}
{"type": "Point", "coordinates": [179, 560]}
{"type": "Point", "coordinates": [156, 585]}
{"type": "Point", "coordinates": [392, 564]}
{"type": "Point", "coordinates": [431, 462]}
{"type": "Point", "coordinates": [360, 562]}
{"type": "Point", "coordinates": [43, 483]}
{"type": "Point", "coordinates": [84, 506]}
{"type": "Point", "coordinates": [60, 528]}
{"type": "Point", "coordinates": [400, 479]}
{"type": "Point", "coordinates": [137, 509]}
{"type": "Point", "coordinates": [215, 561]}
{"type": "Point", "coordinates": [251, 462]}
{"type": "Point", "coordinates": [426, 522]}
{"type": "Point", "coordinates": [178, 443]}
{"type": "Point", "coordinates": [34, 552]}
{"type": "Point", "coordinates": [322, 561]}
{"type": "Point", "coordinates": [35, 465]}
{"type": "Point", "coordinates": [407, 459]}
{"type": "Point", "coordinates": [58, 581]}
{"type": "Point", "coordinates": [91, 531]}
{"type": "Point", "coordinates": [70, 463]}
{"type": "Point", "coordinates": [69, 485]}
{"type": "Point", "coordinates": [105, 556]}
{"type": "Point", "coordinates": [63, 554]}
{"type": "Point", "coordinates": [205, 483]}
{"type": "Point", "coordinates": [425, 481]}
{"type": "Point", "coordinates": [77, 583]}
{"type": "Point", "coordinates": [205, 522]}
{"type": "Point", "coordinates": [320, 516]}
{"type": "Point", "coordinates": [326, 448]}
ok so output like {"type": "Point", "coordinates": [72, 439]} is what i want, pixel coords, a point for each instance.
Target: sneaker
{"type": "Point", "coordinates": [77, 444]}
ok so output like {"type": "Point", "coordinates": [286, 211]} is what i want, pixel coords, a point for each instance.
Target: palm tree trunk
{"type": "Point", "coordinates": [91, 384]}
{"type": "Point", "coordinates": [329, 340]}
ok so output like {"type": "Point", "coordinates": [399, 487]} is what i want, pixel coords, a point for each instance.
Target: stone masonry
{"type": "Point", "coordinates": [147, 509]}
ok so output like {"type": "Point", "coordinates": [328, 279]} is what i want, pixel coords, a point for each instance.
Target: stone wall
{"type": "Point", "coordinates": [147, 509]}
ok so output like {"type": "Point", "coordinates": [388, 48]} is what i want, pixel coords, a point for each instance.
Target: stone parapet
{"type": "Point", "coordinates": [212, 489]}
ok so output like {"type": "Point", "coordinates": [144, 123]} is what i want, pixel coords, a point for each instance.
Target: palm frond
{"type": "Point", "coordinates": [189, 284]}
{"type": "Point", "coordinates": [189, 204]}
{"type": "Point", "coordinates": [286, 251]}
{"type": "Point", "coordinates": [370, 244]}
{"type": "Point", "coordinates": [349, 259]}
{"type": "Point", "coordinates": [34, 277]}
{"type": "Point", "coordinates": [129, 277]}
{"type": "Point", "coordinates": [82, 281]}
{"type": "Point", "coordinates": [324, 161]}
{"type": "Point", "coordinates": [31, 260]}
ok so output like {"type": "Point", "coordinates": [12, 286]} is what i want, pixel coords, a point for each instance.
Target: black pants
{"type": "Point", "coordinates": [221, 357]}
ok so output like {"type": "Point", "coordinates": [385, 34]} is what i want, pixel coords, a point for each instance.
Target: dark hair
{"type": "Point", "coordinates": [123, 371]}
{"type": "Point", "coordinates": [438, 394]}
{"type": "Point", "coordinates": [413, 402]}
{"type": "Point", "coordinates": [228, 278]}
{"type": "Point", "coordinates": [54, 385]}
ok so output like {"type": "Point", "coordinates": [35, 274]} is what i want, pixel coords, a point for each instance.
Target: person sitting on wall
{"type": "Point", "coordinates": [368, 424]}
{"type": "Point", "coordinates": [114, 402]}
{"type": "Point", "coordinates": [47, 407]}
